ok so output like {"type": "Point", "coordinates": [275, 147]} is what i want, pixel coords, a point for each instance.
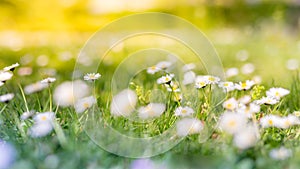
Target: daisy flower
{"type": "Point", "coordinates": [189, 78]}
{"type": "Point", "coordinates": [7, 97]}
{"type": "Point", "coordinates": [43, 124]}
{"type": "Point", "coordinates": [35, 87]}
{"type": "Point", "coordinates": [5, 76]}
{"type": "Point", "coordinates": [277, 93]}
{"type": "Point", "coordinates": [153, 69]}
{"type": "Point", "coordinates": [151, 110]}
{"type": "Point", "coordinates": [11, 67]}
{"type": "Point", "coordinates": [201, 82]}
{"type": "Point", "coordinates": [165, 79]}
{"type": "Point", "coordinates": [67, 93]}
{"type": "Point", "coordinates": [288, 121]}
{"type": "Point", "coordinates": [184, 111]}
{"type": "Point", "coordinates": [249, 110]}
{"type": "Point", "coordinates": [163, 64]}
{"type": "Point", "coordinates": [246, 138]}
{"type": "Point", "coordinates": [270, 121]}
{"type": "Point", "coordinates": [230, 104]}
{"type": "Point", "coordinates": [123, 104]}
{"type": "Point", "coordinates": [82, 104]}
{"type": "Point", "coordinates": [281, 153]}
{"type": "Point", "coordinates": [91, 76]}
{"type": "Point", "coordinates": [48, 80]}
{"type": "Point", "coordinates": [244, 85]}
{"type": "Point", "coordinates": [267, 101]}
{"type": "Point", "coordinates": [173, 87]}
{"type": "Point", "coordinates": [245, 99]}
{"type": "Point", "coordinates": [232, 122]}
{"type": "Point", "coordinates": [212, 79]}
{"type": "Point", "coordinates": [296, 113]}
{"type": "Point", "coordinates": [227, 86]}
{"type": "Point", "coordinates": [188, 126]}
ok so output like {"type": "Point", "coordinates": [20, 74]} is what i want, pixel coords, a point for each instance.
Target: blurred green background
{"type": "Point", "coordinates": [52, 32]}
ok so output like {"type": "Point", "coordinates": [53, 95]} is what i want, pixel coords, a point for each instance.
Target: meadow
{"type": "Point", "coordinates": [55, 112]}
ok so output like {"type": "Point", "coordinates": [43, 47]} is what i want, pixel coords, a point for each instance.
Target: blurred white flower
{"type": "Point", "coordinates": [296, 113]}
{"type": "Point", "coordinates": [232, 72]}
{"type": "Point", "coordinates": [249, 110]}
{"type": "Point", "coordinates": [288, 121]}
{"type": "Point", "coordinates": [163, 64]}
{"type": "Point", "coordinates": [1, 84]}
{"type": "Point", "coordinates": [267, 100]}
{"type": "Point", "coordinates": [165, 79]}
{"type": "Point", "coordinates": [6, 97]}
{"type": "Point", "coordinates": [151, 110]}
{"type": "Point", "coordinates": [173, 87]}
{"type": "Point", "coordinates": [248, 68]}
{"type": "Point", "coordinates": [188, 67]}
{"type": "Point", "coordinates": [7, 155]}
{"type": "Point", "coordinates": [91, 76]}
{"type": "Point", "coordinates": [67, 93]}
{"type": "Point", "coordinates": [188, 126]}
{"type": "Point", "coordinates": [184, 111]}
{"type": "Point", "coordinates": [189, 78]}
{"type": "Point", "coordinates": [5, 76]}
{"type": "Point", "coordinates": [44, 117]}
{"type": "Point", "coordinates": [257, 79]}
{"type": "Point", "coordinates": [26, 115]}
{"type": "Point", "coordinates": [244, 85]}
{"type": "Point", "coordinates": [11, 67]}
{"type": "Point", "coordinates": [232, 123]}
{"type": "Point", "coordinates": [153, 69]}
{"type": "Point", "coordinates": [246, 137]}
{"type": "Point", "coordinates": [281, 153]}
{"type": "Point", "coordinates": [83, 104]}
{"type": "Point", "coordinates": [212, 79]}
{"type": "Point", "coordinates": [270, 121]}
{"type": "Point", "coordinates": [35, 87]}
{"type": "Point", "coordinates": [123, 104]}
{"type": "Point", "coordinates": [245, 99]}
{"type": "Point", "coordinates": [227, 86]}
{"type": "Point", "coordinates": [277, 93]}
{"type": "Point", "coordinates": [43, 124]}
{"type": "Point", "coordinates": [40, 129]}
{"type": "Point", "coordinates": [143, 164]}
{"type": "Point", "coordinates": [201, 82]}
{"type": "Point", "coordinates": [48, 80]}
{"type": "Point", "coordinates": [242, 55]}
{"type": "Point", "coordinates": [292, 64]}
{"type": "Point", "coordinates": [25, 71]}
{"type": "Point", "coordinates": [230, 104]}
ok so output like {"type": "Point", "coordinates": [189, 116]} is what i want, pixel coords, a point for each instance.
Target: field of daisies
{"type": "Point", "coordinates": [241, 122]}
{"type": "Point", "coordinates": [54, 114]}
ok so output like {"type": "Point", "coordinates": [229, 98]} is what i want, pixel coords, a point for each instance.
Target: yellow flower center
{"type": "Point", "coordinates": [229, 106]}
{"type": "Point", "coordinates": [270, 122]}
{"type": "Point", "coordinates": [153, 68]}
{"type": "Point", "coordinates": [244, 85]}
{"type": "Point", "coordinates": [211, 79]}
{"type": "Point", "coordinates": [184, 111]}
{"type": "Point", "coordinates": [226, 84]}
{"type": "Point", "coordinates": [44, 118]}
{"type": "Point", "coordinates": [232, 123]}
{"type": "Point", "coordinates": [86, 105]}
